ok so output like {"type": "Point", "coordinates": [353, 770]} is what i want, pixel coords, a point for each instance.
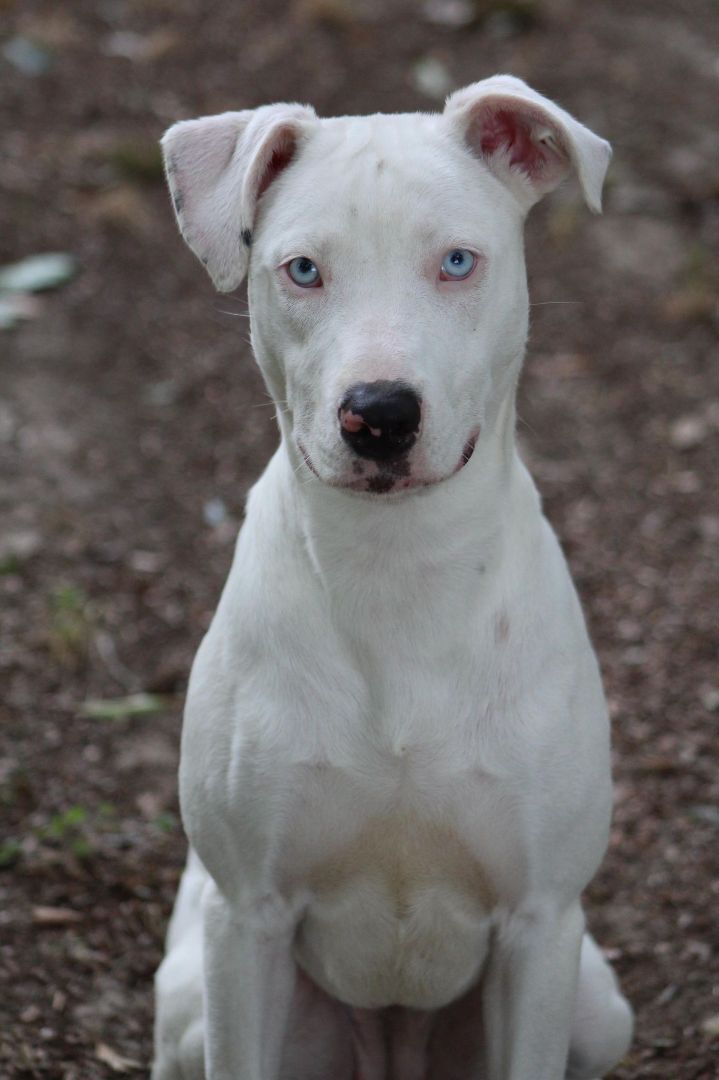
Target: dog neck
{"type": "Point", "coordinates": [455, 527]}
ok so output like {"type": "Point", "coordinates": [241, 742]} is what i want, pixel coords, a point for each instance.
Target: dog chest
{"type": "Point", "coordinates": [398, 910]}
{"type": "Point", "coordinates": [403, 854]}
{"type": "Point", "coordinates": [398, 896]}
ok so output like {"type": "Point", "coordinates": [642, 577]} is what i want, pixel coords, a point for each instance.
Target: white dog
{"type": "Point", "coordinates": [395, 759]}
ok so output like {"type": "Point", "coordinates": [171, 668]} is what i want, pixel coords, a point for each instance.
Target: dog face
{"type": "Point", "coordinates": [386, 276]}
{"type": "Point", "coordinates": [388, 299]}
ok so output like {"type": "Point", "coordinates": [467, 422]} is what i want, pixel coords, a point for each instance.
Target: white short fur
{"type": "Point", "coordinates": [395, 759]}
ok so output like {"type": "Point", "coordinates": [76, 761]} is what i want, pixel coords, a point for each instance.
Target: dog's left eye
{"type": "Point", "coordinates": [304, 272]}
{"type": "Point", "coordinates": [457, 265]}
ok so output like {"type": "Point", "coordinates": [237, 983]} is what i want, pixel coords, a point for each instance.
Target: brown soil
{"type": "Point", "coordinates": [131, 425]}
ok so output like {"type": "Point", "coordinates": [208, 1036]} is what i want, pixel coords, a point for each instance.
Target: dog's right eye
{"type": "Point", "coordinates": [304, 272]}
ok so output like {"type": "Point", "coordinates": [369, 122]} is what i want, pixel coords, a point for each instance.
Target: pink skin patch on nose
{"type": "Point", "coordinates": [354, 422]}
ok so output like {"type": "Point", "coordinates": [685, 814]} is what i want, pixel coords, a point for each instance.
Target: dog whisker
{"type": "Point", "coordinates": [521, 420]}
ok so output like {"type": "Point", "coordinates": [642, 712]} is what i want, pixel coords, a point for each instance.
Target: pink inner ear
{"type": "Point", "coordinates": [280, 158]}
{"type": "Point", "coordinates": [508, 132]}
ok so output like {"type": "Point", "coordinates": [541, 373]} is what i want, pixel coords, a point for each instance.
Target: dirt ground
{"type": "Point", "coordinates": [132, 422]}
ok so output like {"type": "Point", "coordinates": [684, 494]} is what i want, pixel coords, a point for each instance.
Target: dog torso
{"type": "Point", "coordinates": [394, 780]}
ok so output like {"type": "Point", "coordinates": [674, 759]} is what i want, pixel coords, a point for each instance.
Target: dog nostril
{"type": "Point", "coordinates": [380, 420]}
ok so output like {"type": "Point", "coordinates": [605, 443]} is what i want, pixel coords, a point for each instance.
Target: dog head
{"type": "Point", "coordinates": [387, 287]}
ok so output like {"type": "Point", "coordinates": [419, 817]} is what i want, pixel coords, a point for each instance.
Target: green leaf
{"type": "Point", "coordinates": [166, 822]}
{"type": "Point", "coordinates": [76, 815]}
{"type": "Point", "coordinates": [81, 847]}
{"type": "Point", "coordinates": [122, 708]}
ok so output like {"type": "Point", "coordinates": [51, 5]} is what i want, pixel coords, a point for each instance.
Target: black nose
{"type": "Point", "coordinates": [380, 420]}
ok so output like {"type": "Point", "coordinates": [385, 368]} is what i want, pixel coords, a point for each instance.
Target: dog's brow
{"type": "Point", "coordinates": [317, 246]}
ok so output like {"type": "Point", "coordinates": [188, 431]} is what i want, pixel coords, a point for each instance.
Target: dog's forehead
{"type": "Point", "coordinates": [355, 175]}
{"type": "Point", "coordinates": [405, 154]}
{"type": "Point", "coordinates": [397, 135]}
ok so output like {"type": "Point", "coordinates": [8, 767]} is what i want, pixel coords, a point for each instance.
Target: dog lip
{"type": "Point", "coordinates": [379, 486]}
{"type": "Point", "coordinates": [467, 451]}
{"type": "Point", "coordinates": [308, 460]}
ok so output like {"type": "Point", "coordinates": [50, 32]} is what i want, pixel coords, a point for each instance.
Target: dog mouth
{"type": "Point", "coordinates": [391, 477]}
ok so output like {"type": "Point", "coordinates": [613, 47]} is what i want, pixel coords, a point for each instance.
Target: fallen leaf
{"type": "Point", "coordinates": [38, 272]}
{"type": "Point", "coordinates": [18, 306]}
{"type": "Point", "coordinates": [25, 55]}
{"type": "Point", "coordinates": [53, 30]}
{"type": "Point", "coordinates": [668, 994]}
{"type": "Point", "coordinates": [709, 696]}
{"type": "Point", "coordinates": [214, 512]}
{"type": "Point", "coordinates": [55, 916]}
{"type": "Point", "coordinates": [706, 813]}
{"type": "Point", "coordinates": [122, 708]}
{"type": "Point", "coordinates": [452, 13]}
{"type": "Point", "coordinates": [141, 48]}
{"type": "Point", "coordinates": [20, 544]}
{"type": "Point", "coordinates": [687, 432]}
{"type": "Point", "coordinates": [710, 1026]}
{"type": "Point", "coordinates": [117, 1062]}
{"type": "Point", "coordinates": [150, 804]}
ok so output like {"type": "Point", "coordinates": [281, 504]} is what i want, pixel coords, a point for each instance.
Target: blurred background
{"type": "Point", "coordinates": [132, 422]}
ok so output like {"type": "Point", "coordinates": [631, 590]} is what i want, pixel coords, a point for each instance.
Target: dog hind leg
{"type": "Point", "coordinates": [603, 1023]}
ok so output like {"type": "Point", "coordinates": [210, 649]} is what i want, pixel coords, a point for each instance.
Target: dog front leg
{"type": "Point", "coordinates": [528, 995]}
{"type": "Point", "coordinates": [249, 982]}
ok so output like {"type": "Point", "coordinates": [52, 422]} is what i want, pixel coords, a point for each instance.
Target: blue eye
{"type": "Point", "coordinates": [457, 264]}
{"type": "Point", "coordinates": [304, 272]}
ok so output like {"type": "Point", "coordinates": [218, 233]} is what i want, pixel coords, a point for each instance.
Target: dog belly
{"type": "Point", "coordinates": [366, 952]}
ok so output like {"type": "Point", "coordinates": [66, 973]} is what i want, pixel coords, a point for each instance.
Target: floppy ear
{"type": "Point", "coordinates": [527, 141]}
{"type": "Point", "coordinates": [217, 167]}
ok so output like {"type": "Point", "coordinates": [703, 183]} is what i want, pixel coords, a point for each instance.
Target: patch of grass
{"type": "Point", "coordinates": [10, 851]}
{"type": "Point", "coordinates": [70, 624]}
{"type": "Point", "coordinates": [60, 824]}
{"type": "Point", "coordinates": [167, 822]}
{"type": "Point", "coordinates": [70, 829]}
{"type": "Point", "coordinates": [139, 161]}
